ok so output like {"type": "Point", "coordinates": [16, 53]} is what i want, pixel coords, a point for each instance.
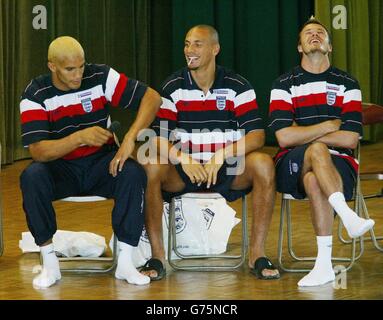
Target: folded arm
{"type": "Point", "coordinates": [326, 132]}
{"type": "Point", "coordinates": [299, 135]}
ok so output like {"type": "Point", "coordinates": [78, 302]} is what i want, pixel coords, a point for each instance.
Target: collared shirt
{"type": "Point", "coordinates": [48, 113]}
{"type": "Point", "coordinates": [308, 99]}
{"type": "Point", "coordinates": [201, 123]}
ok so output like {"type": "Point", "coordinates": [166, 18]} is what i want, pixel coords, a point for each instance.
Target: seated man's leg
{"type": "Point", "coordinates": [161, 177]}
{"type": "Point", "coordinates": [318, 160]}
{"type": "Point", "coordinates": [41, 183]}
{"type": "Point", "coordinates": [323, 219]}
{"type": "Point", "coordinates": [260, 175]}
{"type": "Point", "coordinates": [128, 190]}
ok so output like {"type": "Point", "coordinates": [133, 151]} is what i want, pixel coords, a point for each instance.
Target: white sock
{"type": "Point", "coordinates": [125, 268]}
{"type": "Point", "coordinates": [50, 270]}
{"type": "Point", "coordinates": [322, 272]}
{"type": "Point", "coordinates": [355, 225]}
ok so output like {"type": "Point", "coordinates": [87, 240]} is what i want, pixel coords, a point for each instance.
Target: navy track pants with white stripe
{"type": "Point", "coordinates": [42, 183]}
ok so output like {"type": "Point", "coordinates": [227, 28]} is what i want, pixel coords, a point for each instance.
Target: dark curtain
{"type": "Point", "coordinates": [132, 36]}
{"type": "Point", "coordinates": [258, 38]}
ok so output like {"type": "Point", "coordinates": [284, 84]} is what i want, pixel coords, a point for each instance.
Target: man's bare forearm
{"type": "Point", "coordinates": [340, 139]}
{"type": "Point", "coordinates": [147, 111]}
{"type": "Point", "coordinates": [249, 143]}
{"type": "Point", "coordinates": [49, 150]}
{"type": "Point", "coordinates": [300, 135]}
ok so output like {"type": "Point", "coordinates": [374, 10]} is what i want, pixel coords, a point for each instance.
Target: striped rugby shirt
{"type": "Point", "coordinates": [204, 124]}
{"type": "Point", "coordinates": [48, 113]}
{"type": "Point", "coordinates": [309, 99]}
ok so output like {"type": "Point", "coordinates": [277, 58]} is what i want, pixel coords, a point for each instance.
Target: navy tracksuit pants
{"type": "Point", "coordinates": [42, 183]}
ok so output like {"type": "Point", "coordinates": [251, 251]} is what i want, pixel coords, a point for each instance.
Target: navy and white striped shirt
{"type": "Point", "coordinates": [203, 123]}
{"type": "Point", "coordinates": [308, 99]}
{"type": "Point", "coordinates": [48, 113]}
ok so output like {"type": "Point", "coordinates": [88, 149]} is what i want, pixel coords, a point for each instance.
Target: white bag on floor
{"type": "Point", "coordinates": [203, 227]}
{"type": "Point", "coordinates": [68, 244]}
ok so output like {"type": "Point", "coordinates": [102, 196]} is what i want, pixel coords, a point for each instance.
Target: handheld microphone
{"type": "Point", "coordinates": [114, 128]}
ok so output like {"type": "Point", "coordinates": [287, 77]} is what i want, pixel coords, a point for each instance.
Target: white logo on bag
{"type": "Point", "coordinates": [208, 216]}
{"type": "Point", "coordinates": [180, 222]}
{"type": "Point", "coordinates": [144, 235]}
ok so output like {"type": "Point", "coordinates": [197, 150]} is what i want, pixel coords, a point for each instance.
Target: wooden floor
{"type": "Point", "coordinates": [364, 280]}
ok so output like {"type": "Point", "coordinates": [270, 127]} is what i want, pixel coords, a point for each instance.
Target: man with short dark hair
{"type": "Point", "coordinates": [315, 112]}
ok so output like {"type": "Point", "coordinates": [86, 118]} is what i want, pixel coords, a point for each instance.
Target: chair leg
{"type": "Point", "coordinates": [112, 261]}
{"type": "Point", "coordinates": [286, 213]}
{"type": "Point", "coordinates": [372, 237]}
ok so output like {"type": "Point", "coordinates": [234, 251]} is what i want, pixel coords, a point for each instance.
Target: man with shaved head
{"type": "Point", "coordinates": [211, 115]}
{"type": "Point", "coordinates": [64, 120]}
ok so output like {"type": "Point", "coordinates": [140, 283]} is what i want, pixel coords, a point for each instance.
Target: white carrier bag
{"type": "Point", "coordinates": [203, 227]}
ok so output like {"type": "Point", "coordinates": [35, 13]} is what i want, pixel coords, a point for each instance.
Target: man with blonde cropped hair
{"type": "Point", "coordinates": [64, 118]}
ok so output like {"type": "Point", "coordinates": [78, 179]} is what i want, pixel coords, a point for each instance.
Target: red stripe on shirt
{"type": "Point", "coordinates": [207, 105]}
{"type": "Point", "coordinates": [246, 107]}
{"type": "Point", "coordinates": [315, 99]}
{"type": "Point", "coordinates": [352, 106]}
{"type": "Point", "coordinates": [280, 105]}
{"type": "Point", "coordinates": [200, 148]}
{"type": "Point", "coordinates": [33, 115]}
{"type": "Point", "coordinates": [351, 161]}
{"type": "Point", "coordinates": [167, 114]}
{"type": "Point", "coordinates": [118, 91]}
{"type": "Point", "coordinates": [85, 151]}
{"type": "Point", "coordinates": [280, 154]}
{"type": "Point", "coordinates": [74, 110]}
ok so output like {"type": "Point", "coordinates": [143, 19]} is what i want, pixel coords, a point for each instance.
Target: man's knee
{"type": "Point", "coordinates": [133, 172]}
{"type": "Point", "coordinates": [318, 151]}
{"type": "Point", "coordinates": [262, 165]}
{"type": "Point", "coordinates": [35, 172]}
{"type": "Point", "coordinates": [155, 172]}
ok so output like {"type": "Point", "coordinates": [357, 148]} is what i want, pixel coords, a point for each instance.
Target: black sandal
{"type": "Point", "coordinates": [156, 265]}
{"type": "Point", "coordinates": [262, 264]}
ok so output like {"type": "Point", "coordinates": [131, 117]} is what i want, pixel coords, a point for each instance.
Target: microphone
{"type": "Point", "coordinates": [114, 128]}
